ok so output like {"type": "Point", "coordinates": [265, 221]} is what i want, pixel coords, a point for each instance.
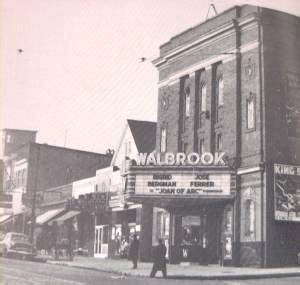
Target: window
{"type": "Point", "coordinates": [220, 92]}
{"type": "Point", "coordinates": [251, 112]}
{"type": "Point", "coordinates": [201, 146]}
{"type": "Point", "coordinates": [203, 98]}
{"type": "Point", "coordinates": [8, 138]}
{"type": "Point", "coordinates": [219, 142]}
{"type": "Point", "coordinates": [187, 101]}
{"type": "Point", "coordinates": [249, 217]}
{"type": "Point", "coordinates": [163, 140]}
{"type": "Point", "coordinates": [185, 147]}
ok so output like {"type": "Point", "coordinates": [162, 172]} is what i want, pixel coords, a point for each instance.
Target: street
{"type": "Point", "coordinates": [26, 272]}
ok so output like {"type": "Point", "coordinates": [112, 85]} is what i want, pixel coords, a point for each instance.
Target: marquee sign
{"type": "Point", "coordinates": [287, 192]}
{"type": "Point", "coordinates": [180, 158]}
{"type": "Point", "coordinates": [179, 184]}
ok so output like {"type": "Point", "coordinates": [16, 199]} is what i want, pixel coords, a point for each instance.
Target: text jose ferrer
{"type": "Point", "coordinates": [164, 181]}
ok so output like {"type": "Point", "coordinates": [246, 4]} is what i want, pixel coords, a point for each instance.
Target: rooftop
{"type": "Point", "coordinates": [144, 135]}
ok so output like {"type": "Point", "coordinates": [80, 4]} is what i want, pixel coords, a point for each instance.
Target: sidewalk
{"type": "Point", "coordinates": [179, 271]}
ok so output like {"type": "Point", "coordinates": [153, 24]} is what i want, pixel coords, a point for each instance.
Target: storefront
{"type": "Point", "coordinates": [193, 210]}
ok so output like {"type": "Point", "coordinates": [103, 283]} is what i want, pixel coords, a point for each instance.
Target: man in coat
{"type": "Point", "coordinates": [134, 251]}
{"type": "Point", "coordinates": [159, 259]}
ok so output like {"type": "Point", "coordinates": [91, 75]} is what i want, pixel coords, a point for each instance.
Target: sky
{"type": "Point", "coordinates": [71, 69]}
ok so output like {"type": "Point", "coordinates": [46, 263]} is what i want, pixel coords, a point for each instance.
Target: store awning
{"type": "Point", "coordinates": [130, 207]}
{"type": "Point", "coordinates": [5, 218]}
{"type": "Point", "coordinates": [65, 217]}
{"type": "Point", "coordinates": [47, 216]}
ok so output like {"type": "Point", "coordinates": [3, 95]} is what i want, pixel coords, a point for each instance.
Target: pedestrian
{"type": "Point", "coordinates": [134, 251]}
{"type": "Point", "coordinates": [159, 259]}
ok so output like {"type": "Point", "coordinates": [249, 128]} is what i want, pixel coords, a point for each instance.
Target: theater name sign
{"type": "Point", "coordinates": [147, 179]}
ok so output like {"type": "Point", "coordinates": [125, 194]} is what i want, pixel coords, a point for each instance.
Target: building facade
{"type": "Point", "coordinates": [227, 169]}
{"type": "Point", "coordinates": [120, 220]}
{"type": "Point", "coordinates": [31, 169]}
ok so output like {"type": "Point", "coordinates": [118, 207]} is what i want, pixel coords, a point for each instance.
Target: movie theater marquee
{"type": "Point", "coordinates": [183, 184]}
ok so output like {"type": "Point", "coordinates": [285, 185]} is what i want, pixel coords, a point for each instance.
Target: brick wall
{"type": "Point", "coordinates": [51, 166]}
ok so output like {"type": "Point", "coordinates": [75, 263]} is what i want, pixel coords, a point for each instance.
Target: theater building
{"type": "Point", "coordinates": [224, 181]}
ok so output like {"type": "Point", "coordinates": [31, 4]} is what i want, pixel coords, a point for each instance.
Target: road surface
{"type": "Point", "coordinates": [18, 272]}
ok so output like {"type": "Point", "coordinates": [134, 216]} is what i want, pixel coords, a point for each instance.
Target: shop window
{"type": "Point", "coordinates": [219, 142]}
{"type": "Point", "coordinates": [251, 112]}
{"type": "Point", "coordinates": [249, 217]}
{"type": "Point", "coordinates": [228, 220]}
{"type": "Point", "coordinates": [163, 140]}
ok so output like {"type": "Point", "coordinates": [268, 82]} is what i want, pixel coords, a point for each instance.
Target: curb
{"type": "Point", "coordinates": [184, 277]}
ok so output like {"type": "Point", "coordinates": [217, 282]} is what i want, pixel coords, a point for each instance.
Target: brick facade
{"type": "Point", "coordinates": [255, 51]}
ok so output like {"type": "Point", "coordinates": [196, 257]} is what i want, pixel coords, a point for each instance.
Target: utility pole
{"type": "Point", "coordinates": [34, 195]}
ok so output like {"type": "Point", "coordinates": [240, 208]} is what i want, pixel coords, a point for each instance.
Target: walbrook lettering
{"type": "Point", "coordinates": [180, 158]}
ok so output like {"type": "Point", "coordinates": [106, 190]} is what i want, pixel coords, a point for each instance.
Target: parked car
{"type": "Point", "coordinates": [17, 245]}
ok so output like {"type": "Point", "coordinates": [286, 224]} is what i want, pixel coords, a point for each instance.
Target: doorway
{"type": "Point", "coordinates": [101, 241]}
{"type": "Point", "coordinates": [200, 238]}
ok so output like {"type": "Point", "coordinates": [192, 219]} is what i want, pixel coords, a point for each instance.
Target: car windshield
{"type": "Point", "coordinates": [19, 237]}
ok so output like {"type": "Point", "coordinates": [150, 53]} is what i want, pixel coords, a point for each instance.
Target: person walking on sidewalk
{"type": "Point", "coordinates": [159, 259]}
{"type": "Point", "coordinates": [134, 251]}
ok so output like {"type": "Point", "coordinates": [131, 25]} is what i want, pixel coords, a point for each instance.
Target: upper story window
{"type": "Point", "coordinates": [251, 112]}
{"type": "Point", "coordinates": [201, 146]}
{"type": "Point", "coordinates": [187, 104]}
{"type": "Point", "coordinates": [203, 98]}
{"type": "Point", "coordinates": [219, 142]}
{"type": "Point", "coordinates": [185, 147]}
{"type": "Point", "coordinates": [220, 91]}
{"type": "Point", "coordinates": [163, 139]}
